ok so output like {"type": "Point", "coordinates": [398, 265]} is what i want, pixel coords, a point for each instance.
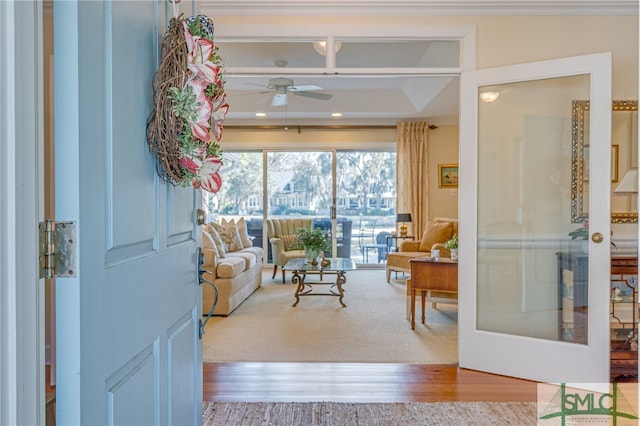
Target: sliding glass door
{"type": "Point", "coordinates": [350, 194]}
{"type": "Point", "coordinates": [300, 185]}
{"type": "Point", "coordinates": [241, 193]}
{"type": "Point", "coordinates": [366, 198]}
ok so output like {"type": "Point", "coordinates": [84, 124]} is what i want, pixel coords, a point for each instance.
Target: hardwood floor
{"type": "Point", "coordinates": [50, 391]}
{"type": "Point", "coordinates": [355, 382]}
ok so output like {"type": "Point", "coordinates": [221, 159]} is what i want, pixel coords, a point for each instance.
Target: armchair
{"type": "Point", "coordinates": [284, 242]}
{"type": "Point", "coordinates": [438, 231]}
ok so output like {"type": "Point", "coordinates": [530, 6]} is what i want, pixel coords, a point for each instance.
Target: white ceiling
{"type": "Point", "coordinates": [363, 98]}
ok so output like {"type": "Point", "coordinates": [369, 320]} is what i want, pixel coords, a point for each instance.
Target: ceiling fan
{"type": "Point", "coordinates": [282, 86]}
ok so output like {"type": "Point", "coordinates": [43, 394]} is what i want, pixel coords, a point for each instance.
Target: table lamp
{"type": "Point", "coordinates": [403, 218]}
{"type": "Point", "coordinates": [629, 183]}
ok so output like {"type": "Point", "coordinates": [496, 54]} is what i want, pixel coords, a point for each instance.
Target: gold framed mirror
{"type": "Point", "coordinates": [624, 153]}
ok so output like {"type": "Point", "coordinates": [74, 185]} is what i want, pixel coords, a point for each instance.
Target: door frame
{"type": "Point", "coordinates": [21, 208]}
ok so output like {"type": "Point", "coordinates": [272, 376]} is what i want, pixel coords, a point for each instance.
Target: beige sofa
{"type": "Point", "coordinates": [284, 242]}
{"type": "Point", "coordinates": [236, 275]}
{"type": "Point", "coordinates": [438, 231]}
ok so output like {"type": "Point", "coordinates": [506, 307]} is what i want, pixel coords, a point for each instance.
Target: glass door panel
{"type": "Point", "coordinates": [366, 202]}
{"type": "Point", "coordinates": [525, 141]}
{"type": "Point", "coordinates": [300, 185]}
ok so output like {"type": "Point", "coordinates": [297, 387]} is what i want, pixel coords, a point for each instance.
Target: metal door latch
{"type": "Point", "coordinates": [202, 280]}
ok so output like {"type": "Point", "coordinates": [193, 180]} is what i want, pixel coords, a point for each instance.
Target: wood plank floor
{"type": "Point", "coordinates": [354, 382]}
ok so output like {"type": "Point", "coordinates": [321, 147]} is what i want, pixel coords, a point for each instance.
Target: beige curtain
{"type": "Point", "coordinates": [412, 174]}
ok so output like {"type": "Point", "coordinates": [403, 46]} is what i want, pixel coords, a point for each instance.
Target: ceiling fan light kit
{"type": "Point", "coordinates": [282, 86]}
{"type": "Point", "coordinates": [321, 47]}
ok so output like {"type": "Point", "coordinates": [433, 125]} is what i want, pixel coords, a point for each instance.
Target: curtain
{"type": "Point", "coordinates": [412, 174]}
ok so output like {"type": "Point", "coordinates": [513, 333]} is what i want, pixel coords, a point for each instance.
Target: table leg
{"type": "Point", "coordinates": [299, 280]}
{"type": "Point", "coordinates": [423, 296]}
{"type": "Point", "coordinates": [413, 309]}
{"type": "Point", "coordinates": [341, 279]}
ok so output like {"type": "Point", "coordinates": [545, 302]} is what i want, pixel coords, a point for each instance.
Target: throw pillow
{"type": "Point", "coordinates": [230, 236]}
{"type": "Point", "coordinates": [291, 242]}
{"type": "Point", "coordinates": [217, 241]}
{"type": "Point", "coordinates": [244, 234]}
{"type": "Point", "coordinates": [233, 224]}
{"type": "Point", "coordinates": [208, 243]}
{"type": "Point", "coordinates": [437, 232]}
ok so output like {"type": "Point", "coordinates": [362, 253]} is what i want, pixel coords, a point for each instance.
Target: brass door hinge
{"type": "Point", "coordinates": [57, 249]}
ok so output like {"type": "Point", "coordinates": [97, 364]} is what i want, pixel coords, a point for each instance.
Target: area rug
{"type": "Point", "coordinates": [377, 414]}
{"type": "Point", "coordinates": [372, 328]}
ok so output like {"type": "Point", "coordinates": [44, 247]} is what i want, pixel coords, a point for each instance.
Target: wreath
{"type": "Point", "coordinates": [189, 106]}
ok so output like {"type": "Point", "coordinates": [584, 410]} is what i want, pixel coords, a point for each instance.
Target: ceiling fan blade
{"type": "Point", "coordinates": [303, 88]}
{"type": "Point", "coordinates": [279, 99]}
{"type": "Point", "coordinates": [314, 95]}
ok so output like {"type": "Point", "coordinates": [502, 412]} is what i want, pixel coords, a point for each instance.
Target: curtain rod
{"type": "Point", "coordinates": [315, 127]}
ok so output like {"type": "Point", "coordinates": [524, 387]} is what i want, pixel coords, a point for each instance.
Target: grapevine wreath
{"type": "Point", "coordinates": [189, 106]}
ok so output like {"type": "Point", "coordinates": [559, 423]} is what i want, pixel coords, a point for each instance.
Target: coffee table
{"type": "Point", "coordinates": [301, 269]}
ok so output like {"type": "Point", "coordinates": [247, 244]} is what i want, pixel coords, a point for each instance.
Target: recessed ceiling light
{"type": "Point", "coordinates": [336, 114]}
{"type": "Point", "coordinates": [261, 114]}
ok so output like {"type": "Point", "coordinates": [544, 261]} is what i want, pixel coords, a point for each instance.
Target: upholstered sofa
{"type": "Point", "coordinates": [284, 242]}
{"type": "Point", "coordinates": [439, 230]}
{"type": "Point", "coordinates": [236, 271]}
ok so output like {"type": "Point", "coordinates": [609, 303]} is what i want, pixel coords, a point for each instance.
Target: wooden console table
{"type": "Point", "coordinates": [624, 352]}
{"type": "Point", "coordinates": [431, 275]}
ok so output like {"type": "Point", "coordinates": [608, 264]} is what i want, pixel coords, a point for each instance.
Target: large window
{"type": "Point", "coordinates": [304, 184]}
{"type": "Point", "coordinates": [241, 192]}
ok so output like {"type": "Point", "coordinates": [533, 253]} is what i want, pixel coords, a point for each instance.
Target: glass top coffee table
{"type": "Point", "coordinates": [301, 269]}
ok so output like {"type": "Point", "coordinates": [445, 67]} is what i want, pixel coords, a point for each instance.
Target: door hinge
{"type": "Point", "coordinates": [57, 249]}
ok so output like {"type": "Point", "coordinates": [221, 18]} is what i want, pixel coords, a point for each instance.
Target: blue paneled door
{"type": "Point", "coordinates": [127, 325]}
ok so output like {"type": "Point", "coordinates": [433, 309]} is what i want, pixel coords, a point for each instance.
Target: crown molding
{"type": "Point", "coordinates": [419, 7]}
{"type": "Point", "coordinates": [413, 7]}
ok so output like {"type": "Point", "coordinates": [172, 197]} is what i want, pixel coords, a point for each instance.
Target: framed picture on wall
{"type": "Point", "coordinates": [447, 175]}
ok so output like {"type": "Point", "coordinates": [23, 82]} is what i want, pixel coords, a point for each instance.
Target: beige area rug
{"type": "Point", "coordinates": [372, 328]}
{"type": "Point", "coordinates": [344, 414]}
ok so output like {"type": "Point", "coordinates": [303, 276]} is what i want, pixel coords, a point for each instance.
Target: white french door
{"type": "Point", "coordinates": [522, 313]}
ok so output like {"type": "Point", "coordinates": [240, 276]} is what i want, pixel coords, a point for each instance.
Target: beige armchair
{"type": "Point", "coordinates": [438, 231]}
{"type": "Point", "coordinates": [284, 242]}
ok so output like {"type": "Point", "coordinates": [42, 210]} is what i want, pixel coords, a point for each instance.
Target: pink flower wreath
{"type": "Point", "coordinates": [197, 107]}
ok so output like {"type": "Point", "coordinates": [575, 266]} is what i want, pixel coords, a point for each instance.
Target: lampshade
{"type": "Point", "coordinates": [403, 217]}
{"type": "Point", "coordinates": [629, 183]}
